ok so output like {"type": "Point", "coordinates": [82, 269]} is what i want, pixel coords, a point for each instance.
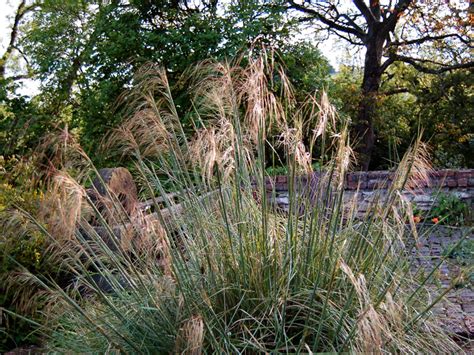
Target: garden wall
{"type": "Point", "coordinates": [363, 185]}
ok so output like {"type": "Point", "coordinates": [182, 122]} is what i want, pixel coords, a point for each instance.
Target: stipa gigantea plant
{"type": "Point", "coordinates": [229, 272]}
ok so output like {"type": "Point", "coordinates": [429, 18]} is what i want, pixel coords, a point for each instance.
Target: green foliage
{"type": "Point", "coordinates": [18, 183]}
{"type": "Point", "coordinates": [416, 210]}
{"type": "Point", "coordinates": [446, 108]}
{"type": "Point", "coordinates": [439, 106]}
{"type": "Point", "coordinates": [464, 253]}
{"type": "Point", "coordinates": [86, 54]}
{"type": "Point", "coordinates": [22, 123]}
{"type": "Point", "coordinates": [450, 210]}
{"type": "Point", "coordinates": [307, 69]}
{"type": "Point", "coordinates": [277, 170]}
{"type": "Point", "coordinates": [23, 249]}
{"type": "Point", "coordinates": [19, 245]}
{"type": "Point", "coordinates": [345, 91]}
{"type": "Point", "coordinates": [284, 170]}
{"type": "Point", "coordinates": [447, 209]}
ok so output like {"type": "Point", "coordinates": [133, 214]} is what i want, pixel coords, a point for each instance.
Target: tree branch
{"type": "Point", "coordinates": [364, 10]}
{"type": "Point", "coordinates": [25, 58]}
{"type": "Point", "coordinates": [13, 35]}
{"type": "Point", "coordinates": [429, 38]}
{"type": "Point", "coordinates": [386, 64]}
{"type": "Point", "coordinates": [416, 63]}
{"type": "Point", "coordinates": [346, 38]}
{"type": "Point", "coordinates": [375, 9]}
{"type": "Point", "coordinates": [395, 91]}
{"type": "Point", "coordinates": [330, 23]}
{"type": "Point", "coordinates": [391, 22]}
{"type": "Point", "coordinates": [18, 77]}
{"type": "Point", "coordinates": [353, 23]}
{"type": "Point", "coordinates": [21, 10]}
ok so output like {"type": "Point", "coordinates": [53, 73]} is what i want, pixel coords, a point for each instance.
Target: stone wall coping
{"type": "Point", "coordinates": [370, 180]}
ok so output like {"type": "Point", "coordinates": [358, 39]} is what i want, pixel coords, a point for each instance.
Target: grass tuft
{"type": "Point", "coordinates": [222, 270]}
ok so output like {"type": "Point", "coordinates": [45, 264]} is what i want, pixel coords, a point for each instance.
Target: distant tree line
{"type": "Point", "coordinates": [416, 74]}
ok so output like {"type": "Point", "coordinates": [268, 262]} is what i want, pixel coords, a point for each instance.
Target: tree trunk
{"type": "Point", "coordinates": [364, 125]}
{"type": "Point", "coordinates": [13, 39]}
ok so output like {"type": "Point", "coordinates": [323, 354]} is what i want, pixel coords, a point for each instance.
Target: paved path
{"type": "Point", "coordinates": [456, 311]}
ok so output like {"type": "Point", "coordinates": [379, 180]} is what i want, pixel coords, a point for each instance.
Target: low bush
{"type": "Point", "coordinates": [25, 250]}
{"type": "Point", "coordinates": [19, 245]}
{"type": "Point", "coordinates": [450, 209]}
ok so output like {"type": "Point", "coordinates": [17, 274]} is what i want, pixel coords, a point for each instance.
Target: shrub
{"type": "Point", "coordinates": [450, 210]}
{"type": "Point", "coordinates": [463, 253]}
{"type": "Point", "coordinates": [223, 271]}
{"type": "Point", "coordinates": [25, 249]}
{"type": "Point", "coordinates": [463, 256]}
{"type": "Point", "coordinates": [18, 245]}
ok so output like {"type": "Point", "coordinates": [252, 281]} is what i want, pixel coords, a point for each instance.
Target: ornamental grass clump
{"type": "Point", "coordinates": [223, 270]}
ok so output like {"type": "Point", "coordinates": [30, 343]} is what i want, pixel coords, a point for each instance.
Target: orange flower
{"type": "Point", "coordinates": [417, 219]}
{"type": "Point", "coordinates": [435, 220]}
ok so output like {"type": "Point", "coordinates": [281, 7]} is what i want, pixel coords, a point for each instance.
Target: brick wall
{"type": "Point", "coordinates": [439, 178]}
{"type": "Point", "coordinates": [362, 186]}
{"type": "Point", "coordinates": [374, 179]}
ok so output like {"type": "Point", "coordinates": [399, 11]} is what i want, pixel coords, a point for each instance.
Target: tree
{"type": "Point", "coordinates": [306, 67]}
{"type": "Point", "coordinates": [16, 112]}
{"type": "Point", "coordinates": [446, 104]}
{"type": "Point", "coordinates": [441, 105]}
{"type": "Point", "coordinates": [21, 11]}
{"type": "Point", "coordinates": [85, 53]}
{"type": "Point", "coordinates": [431, 36]}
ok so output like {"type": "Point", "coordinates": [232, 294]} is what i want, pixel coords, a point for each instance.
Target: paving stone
{"type": "Point", "coordinates": [467, 294]}
{"type": "Point", "coordinates": [468, 308]}
{"type": "Point", "coordinates": [456, 313]}
{"type": "Point", "coordinates": [469, 323]}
